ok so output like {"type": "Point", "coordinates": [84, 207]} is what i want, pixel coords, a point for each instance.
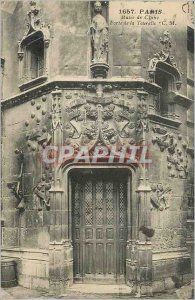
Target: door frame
{"type": "Point", "coordinates": [96, 175]}
{"type": "Point", "coordinates": [132, 209]}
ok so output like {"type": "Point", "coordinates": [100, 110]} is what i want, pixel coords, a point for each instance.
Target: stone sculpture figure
{"type": "Point", "coordinates": [99, 35]}
{"type": "Point", "coordinates": [41, 194]}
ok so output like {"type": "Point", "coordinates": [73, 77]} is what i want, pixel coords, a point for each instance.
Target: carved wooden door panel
{"type": "Point", "coordinates": [99, 224]}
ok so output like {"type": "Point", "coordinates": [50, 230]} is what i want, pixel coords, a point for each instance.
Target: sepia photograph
{"type": "Point", "coordinates": [97, 149]}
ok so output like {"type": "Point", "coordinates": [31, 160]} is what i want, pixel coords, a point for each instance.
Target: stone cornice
{"type": "Point", "coordinates": [83, 84]}
{"type": "Point", "coordinates": [163, 120]}
{"type": "Point", "coordinates": [182, 100]}
{"type": "Point", "coordinates": [170, 254]}
{"type": "Point", "coordinates": [30, 84]}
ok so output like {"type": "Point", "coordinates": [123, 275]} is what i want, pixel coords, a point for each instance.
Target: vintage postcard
{"type": "Point", "coordinates": [97, 126]}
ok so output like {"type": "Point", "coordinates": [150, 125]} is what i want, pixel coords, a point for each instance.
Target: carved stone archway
{"type": "Point", "coordinates": [61, 230]}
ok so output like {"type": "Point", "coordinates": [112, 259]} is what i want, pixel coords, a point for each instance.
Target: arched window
{"type": "Point", "coordinates": [163, 71]}
{"type": "Point", "coordinates": [33, 51]}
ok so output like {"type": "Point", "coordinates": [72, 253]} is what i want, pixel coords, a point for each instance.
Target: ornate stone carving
{"type": "Point", "coordinates": [160, 196]}
{"type": "Point", "coordinates": [99, 43]}
{"type": "Point", "coordinates": [38, 137]}
{"type": "Point", "coordinates": [56, 109]}
{"type": "Point", "coordinates": [41, 194]}
{"type": "Point", "coordinates": [40, 134]}
{"type": "Point", "coordinates": [16, 186]}
{"type": "Point", "coordinates": [180, 158]}
{"type": "Point", "coordinates": [20, 52]}
{"type": "Point", "coordinates": [178, 162]}
{"type": "Point", "coordinates": [164, 56]}
{"type": "Point", "coordinates": [142, 112]}
{"type": "Point", "coordinates": [34, 22]}
{"type": "Point", "coordinates": [176, 152]}
{"type": "Point", "coordinates": [99, 35]}
{"type": "Point", "coordinates": [159, 130]}
{"type": "Point", "coordinates": [37, 31]}
{"type": "Point", "coordinates": [104, 120]}
{"type": "Point", "coordinates": [165, 141]}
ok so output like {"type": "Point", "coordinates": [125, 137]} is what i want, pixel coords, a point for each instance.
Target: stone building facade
{"type": "Point", "coordinates": [72, 77]}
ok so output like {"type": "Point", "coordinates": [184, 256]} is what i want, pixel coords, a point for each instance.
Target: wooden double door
{"type": "Point", "coordinates": [99, 226]}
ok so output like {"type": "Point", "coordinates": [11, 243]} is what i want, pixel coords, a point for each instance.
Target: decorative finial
{"type": "Point", "coordinates": [33, 8]}
{"type": "Point", "coordinates": [98, 7]}
{"type": "Point", "coordinates": [33, 15]}
{"type": "Point", "coordinates": [166, 41]}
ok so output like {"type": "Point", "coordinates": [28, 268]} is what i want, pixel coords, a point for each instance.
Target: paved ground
{"type": "Point", "coordinates": [79, 292]}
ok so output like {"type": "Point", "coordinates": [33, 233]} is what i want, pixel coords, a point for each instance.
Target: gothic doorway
{"type": "Point", "coordinates": [99, 225]}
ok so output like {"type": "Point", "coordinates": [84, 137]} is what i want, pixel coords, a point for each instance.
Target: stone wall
{"type": "Point", "coordinates": [32, 267]}
{"type": "Point", "coordinates": [28, 227]}
{"type": "Point", "coordinates": [36, 227]}
{"type": "Point", "coordinates": [74, 112]}
{"type": "Point", "coordinates": [69, 49]}
{"type": "Point", "coordinates": [170, 270]}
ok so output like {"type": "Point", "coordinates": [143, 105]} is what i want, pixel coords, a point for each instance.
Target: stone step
{"type": "Point", "coordinates": [110, 289]}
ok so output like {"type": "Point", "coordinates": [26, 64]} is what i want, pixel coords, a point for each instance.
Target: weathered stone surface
{"type": "Point", "coordinates": [144, 258]}
{"type": "Point", "coordinates": [187, 278]}
{"type": "Point", "coordinates": [169, 283]}
{"type": "Point", "coordinates": [9, 217]}
{"type": "Point", "coordinates": [185, 292]}
{"type": "Point", "coordinates": [113, 107]}
{"type": "Point", "coordinates": [116, 71]}
{"type": "Point", "coordinates": [145, 274]}
{"type": "Point", "coordinates": [146, 290]}
{"type": "Point", "coordinates": [134, 71]}
{"type": "Point", "coordinates": [158, 286]}
{"type": "Point", "coordinates": [73, 56]}
{"type": "Point", "coordinates": [10, 237]}
{"type": "Point", "coordinates": [113, 17]}
{"type": "Point", "coordinates": [122, 55]}
{"type": "Point", "coordinates": [40, 284]}
{"type": "Point", "coordinates": [159, 270]}
{"type": "Point", "coordinates": [184, 266]}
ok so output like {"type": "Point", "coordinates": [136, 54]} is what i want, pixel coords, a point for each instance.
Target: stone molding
{"type": "Point", "coordinates": [178, 253]}
{"type": "Point", "coordinates": [164, 120]}
{"type": "Point", "coordinates": [26, 253]}
{"type": "Point", "coordinates": [165, 59]}
{"type": "Point", "coordinates": [182, 100]}
{"type": "Point", "coordinates": [83, 84]}
{"type": "Point", "coordinates": [32, 83]}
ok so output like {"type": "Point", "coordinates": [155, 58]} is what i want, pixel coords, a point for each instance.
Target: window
{"type": "Point", "coordinates": [35, 59]}
{"type": "Point", "coordinates": [32, 60]}
{"type": "Point", "coordinates": [166, 82]}
{"type": "Point", "coordinates": [33, 50]}
{"type": "Point", "coordinates": [163, 71]}
{"type": "Point", "coordinates": [168, 78]}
